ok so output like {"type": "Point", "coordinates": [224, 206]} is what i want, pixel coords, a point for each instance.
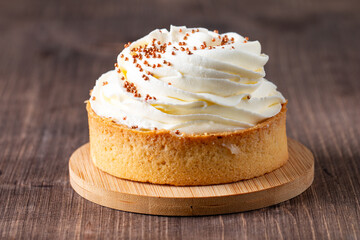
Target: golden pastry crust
{"type": "Point", "coordinates": [162, 157]}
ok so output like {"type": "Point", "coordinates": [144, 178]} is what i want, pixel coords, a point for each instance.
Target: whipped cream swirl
{"type": "Point", "coordinates": [188, 80]}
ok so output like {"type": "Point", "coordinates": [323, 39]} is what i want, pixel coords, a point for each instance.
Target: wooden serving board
{"type": "Point", "coordinates": [272, 188]}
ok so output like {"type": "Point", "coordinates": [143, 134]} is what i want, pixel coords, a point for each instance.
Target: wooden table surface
{"type": "Point", "coordinates": [51, 53]}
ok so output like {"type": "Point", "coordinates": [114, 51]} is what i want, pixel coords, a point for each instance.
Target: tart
{"type": "Point", "coordinates": [188, 107]}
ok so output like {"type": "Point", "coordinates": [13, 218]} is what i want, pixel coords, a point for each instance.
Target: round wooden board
{"type": "Point", "coordinates": [272, 188]}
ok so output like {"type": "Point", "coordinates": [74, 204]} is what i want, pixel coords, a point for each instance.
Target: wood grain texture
{"type": "Point", "coordinates": [106, 190]}
{"type": "Point", "coordinates": [52, 52]}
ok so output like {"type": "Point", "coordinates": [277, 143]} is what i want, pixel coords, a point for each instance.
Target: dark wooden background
{"type": "Point", "coordinates": [51, 53]}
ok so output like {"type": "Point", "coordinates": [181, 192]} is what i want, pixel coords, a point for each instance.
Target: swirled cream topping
{"type": "Point", "coordinates": [188, 80]}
